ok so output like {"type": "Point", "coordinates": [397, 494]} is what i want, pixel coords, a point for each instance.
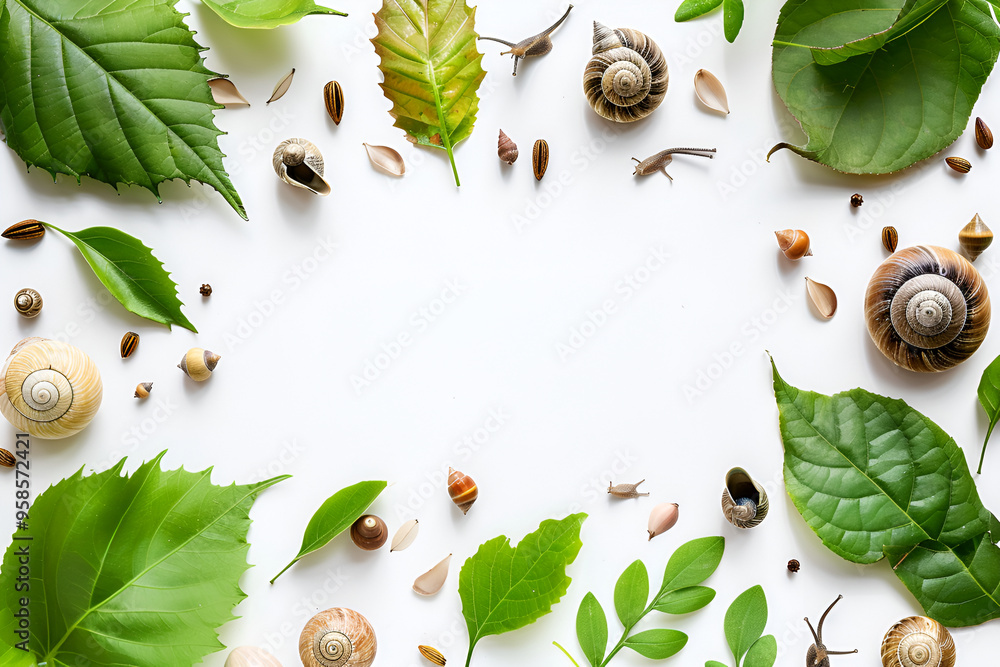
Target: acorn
{"type": "Point", "coordinates": [198, 364]}
{"type": "Point", "coordinates": [142, 389]}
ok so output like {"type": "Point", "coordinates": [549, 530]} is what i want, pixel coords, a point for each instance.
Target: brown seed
{"type": "Point", "coordinates": [130, 341]}
{"type": "Point", "coordinates": [506, 148]}
{"type": "Point", "coordinates": [432, 654]}
{"type": "Point", "coordinates": [540, 158]}
{"type": "Point", "coordinates": [142, 389]}
{"type": "Point", "coordinates": [7, 460]}
{"type": "Point", "coordinates": [890, 238]}
{"type": "Point", "coordinates": [857, 200]}
{"type": "Point", "coordinates": [959, 164]}
{"type": "Point", "coordinates": [794, 565]}
{"type": "Point", "coordinates": [205, 290]}
{"type": "Point", "coordinates": [24, 231]}
{"type": "Point", "coordinates": [333, 97]}
{"type": "Point", "coordinates": [984, 137]}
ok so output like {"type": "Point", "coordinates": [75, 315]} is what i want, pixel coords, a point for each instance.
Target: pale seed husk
{"type": "Point", "coordinates": [226, 93]}
{"type": "Point", "coordinates": [281, 87]}
{"type": "Point", "coordinates": [710, 91]}
{"type": "Point", "coordinates": [431, 581]}
{"type": "Point", "coordinates": [387, 159]}
{"type": "Point", "coordinates": [822, 297]}
{"type": "Point", "coordinates": [405, 536]}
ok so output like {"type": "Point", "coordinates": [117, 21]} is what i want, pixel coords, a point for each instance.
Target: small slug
{"type": "Point", "coordinates": [626, 490]}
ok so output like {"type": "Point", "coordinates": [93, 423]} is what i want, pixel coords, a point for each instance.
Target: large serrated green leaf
{"type": "Point", "coordinates": [266, 13]}
{"type": "Point", "coordinates": [432, 70]}
{"type": "Point", "coordinates": [114, 90]}
{"type": "Point", "coordinates": [907, 96]}
{"type": "Point", "coordinates": [129, 570]}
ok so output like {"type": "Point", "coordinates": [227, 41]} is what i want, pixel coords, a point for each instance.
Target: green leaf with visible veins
{"type": "Point", "coordinates": [129, 570]}
{"type": "Point", "coordinates": [908, 94]}
{"type": "Point", "coordinates": [266, 13]}
{"type": "Point", "coordinates": [631, 593]}
{"type": "Point", "coordinates": [432, 70]}
{"type": "Point", "coordinates": [989, 398]}
{"type": "Point", "coordinates": [131, 273]}
{"type": "Point", "coordinates": [115, 90]}
{"type": "Point", "coordinates": [504, 588]}
{"type": "Point", "coordinates": [592, 629]}
{"type": "Point", "coordinates": [692, 9]}
{"type": "Point", "coordinates": [745, 621]}
{"type": "Point", "coordinates": [732, 18]}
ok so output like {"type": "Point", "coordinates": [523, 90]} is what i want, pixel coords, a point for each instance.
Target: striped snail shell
{"type": "Point", "coordinates": [927, 308]}
{"type": "Point", "coordinates": [744, 502]}
{"type": "Point", "coordinates": [299, 163]}
{"type": "Point", "coordinates": [626, 79]}
{"type": "Point", "coordinates": [462, 489]}
{"type": "Point", "coordinates": [49, 389]}
{"type": "Point", "coordinates": [917, 641]}
{"type": "Point", "coordinates": [337, 637]}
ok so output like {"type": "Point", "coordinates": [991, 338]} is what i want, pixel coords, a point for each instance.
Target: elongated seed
{"type": "Point", "coordinates": [24, 230]}
{"type": "Point", "coordinates": [984, 136]}
{"type": "Point", "coordinates": [959, 164]}
{"type": "Point", "coordinates": [333, 97]}
{"type": "Point", "coordinates": [540, 158]}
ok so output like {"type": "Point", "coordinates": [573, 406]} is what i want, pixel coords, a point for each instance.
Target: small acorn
{"type": "Point", "coordinates": [662, 518]}
{"type": "Point", "coordinates": [462, 489]}
{"type": "Point", "coordinates": [28, 302]}
{"type": "Point", "coordinates": [794, 243]}
{"type": "Point", "coordinates": [198, 364]}
{"type": "Point", "coordinates": [369, 532]}
{"type": "Point", "coordinates": [130, 341]}
{"type": "Point", "coordinates": [142, 389]}
{"type": "Point", "coordinates": [7, 459]}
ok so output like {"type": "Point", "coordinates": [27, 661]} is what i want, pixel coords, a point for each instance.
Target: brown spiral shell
{"type": "Point", "coordinates": [744, 502]}
{"type": "Point", "coordinates": [927, 308]}
{"type": "Point", "coordinates": [337, 637]}
{"type": "Point", "coordinates": [369, 532]}
{"type": "Point", "coordinates": [917, 641]}
{"type": "Point", "coordinates": [626, 79]}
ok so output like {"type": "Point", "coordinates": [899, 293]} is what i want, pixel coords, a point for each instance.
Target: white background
{"type": "Point", "coordinates": [621, 406]}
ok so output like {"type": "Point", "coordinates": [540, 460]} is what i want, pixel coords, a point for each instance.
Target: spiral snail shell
{"type": "Point", "coordinates": [299, 163]}
{"type": "Point", "coordinates": [49, 389]}
{"type": "Point", "coordinates": [927, 308]}
{"type": "Point", "coordinates": [626, 79]}
{"type": "Point", "coordinates": [744, 502]}
{"type": "Point", "coordinates": [28, 302]}
{"type": "Point", "coordinates": [337, 637]}
{"type": "Point", "coordinates": [462, 489]}
{"type": "Point", "coordinates": [917, 641]}
{"type": "Point", "coordinates": [369, 532]}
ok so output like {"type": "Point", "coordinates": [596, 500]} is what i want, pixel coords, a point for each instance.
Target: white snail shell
{"type": "Point", "coordinates": [299, 163]}
{"type": "Point", "coordinates": [251, 656]}
{"type": "Point", "coordinates": [918, 641]}
{"type": "Point", "coordinates": [49, 389]}
{"type": "Point", "coordinates": [626, 79]}
{"type": "Point", "coordinates": [337, 637]}
{"type": "Point", "coordinates": [744, 502]}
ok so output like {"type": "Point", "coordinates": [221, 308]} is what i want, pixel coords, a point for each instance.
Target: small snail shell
{"type": "Point", "coordinates": [744, 502]}
{"type": "Point", "coordinates": [369, 532]}
{"type": "Point", "coordinates": [28, 302]}
{"type": "Point", "coordinates": [198, 364]}
{"type": "Point", "coordinates": [927, 308]}
{"type": "Point", "coordinates": [49, 389]}
{"type": "Point", "coordinates": [251, 656]}
{"type": "Point", "coordinates": [975, 237]}
{"type": "Point", "coordinates": [337, 637]}
{"type": "Point", "coordinates": [299, 163]}
{"type": "Point", "coordinates": [462, 489]}
{"type": "Point", "coordinates": [626, 79]}
{"type": "Point", "coordinates": [794, 243]}
{"type": "Point", "coordinates": [918, 642]}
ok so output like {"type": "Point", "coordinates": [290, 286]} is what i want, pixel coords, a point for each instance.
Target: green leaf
{"type": "Point", "coordinates": [692, 563]}
{"type": "Point", "coordinates": [266, 13]}
{"type": "Point", "coordinates": [692, 9]}
{"type": "Point", "coordinates": [504, 588]}
{"type": "Point", "coordinates": [685, 600]}
{"type": "Point", "coordinates": [713, 663]}
{"type": "Point", "coordinates": [335, 515]}
{"type": "Point", "coordinates": [85, 91]}
{"type": "Point", "coordinates": [130, 570]}
{"type": "Point", "coordinates": [745, 621]}
{"type": "Point", "coordinates": [592, 629]}
{"type": "Point", "coordinates": [431, 70]}
{"type": "Point", "coordinates": [867, 471]}
{"type": "Point", "coordinates": [989, 398]}
{"type": "Point", "coordinates": [889, 108]}
{"type": "Point", "coordinates": [657, 644]}
{"type": "Point", "coordinates": [631, 593]}
{"type": "Point", "coordinates": [732, 18]}
{"type": "Point", "coordinates": [763, 653]}
{"type": "Point", "coordinates": [131, 273]}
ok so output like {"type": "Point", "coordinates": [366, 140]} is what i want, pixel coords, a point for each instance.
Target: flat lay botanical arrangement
{"type": "Point", "coordinates": [150, 475]}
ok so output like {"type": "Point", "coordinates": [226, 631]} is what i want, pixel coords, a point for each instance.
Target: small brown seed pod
{"type": "Point", "coordinates": [7, 459]}
{"type": "Point", "coordinates": [857, 200]}
{"type": "Point", "coordinates": [890, 238]}
{"type": "Point", "coordinates": [462, 489]}
{"type": "Point", "coordinates": [432, 654]}
{"type": "Point", "coordinates": [130, 341]}
{"type": "Point", "coordinates": [142, 389]}
{"type": "Point", "coordinates": [333, 98]}
{"type": "Point", "coordinates": [369, 532]}
{"type": "Point", "coordinates": [794, 565]}
{"type": "Point", "coordinates": [198, 364]}
{"type": "Point", "coordinates": [28, 302]}
{"type": "Point", "coordinates": [984, 136]}
{"type": "Point", "coordinates": [959, 164]}
{"type": "Point", "coordinates": [540, 158]}
{"type": "Point", "coordinates": [205, 290]}
{"type": "Point", "coordinates": [25, 230]}
{"type": "Point", "coordinates": [506, 148]}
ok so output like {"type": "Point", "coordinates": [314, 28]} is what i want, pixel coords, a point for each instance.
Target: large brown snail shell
{"type": "Point", "coordinates": [927, 308]}
{"type": "Point", "coordinates": [626, 79]}
{"type": "Point", "coordinates": [918, 642]}
{"type": "Point", "coordinates": [337, 637]}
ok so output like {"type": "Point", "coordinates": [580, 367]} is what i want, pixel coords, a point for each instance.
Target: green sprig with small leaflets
{"type": "Point", "coordinates": [744, 625]}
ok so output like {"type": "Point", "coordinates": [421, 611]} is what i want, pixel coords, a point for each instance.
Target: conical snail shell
{"type": "Point", "coordinates": [299, 163]}
{"type": "Point", "coordinates": [626, 79]}
{"type": "Point", "coordinates": [927, 308]}
{"type": "Point", "coordinates": [337, 637]}
{"type": "Point", "coordinates": [918, 642]}
{"type": "Point", "coordinates": [744, 502]}
{"type": "Point", "coordinates": [49, 389]}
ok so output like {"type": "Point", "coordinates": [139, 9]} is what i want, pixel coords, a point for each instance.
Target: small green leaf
{"type": "Point", "coordinates": [685, 600]}
{"type": "Point", "coordinates": [989, 398]}
{"type": "Point", "coordinates": [266, 13]}
{"type": "Point", "coordinates": [335, 515]}
{"type": "Point", "coordinates": [131, 273]}
{"type": "Point", "coordinates": [657, 644]}
{"type": "Point", "coordinates": [631, 593]}
{"type": "Point", "coordinates": [763, 653]}
{"type": "Point", "coordinates": [692, 563]}
{"type": "Point", "coordinates": [692, 9]}
{"type": "Point", "coordinates": [745, 621]}
{"type": "Point", "coordinates": [592, 629]}
{"type": "Point", "coordinates": [732, 18]}
{"type": "Point", "coordinates": [713, 663]}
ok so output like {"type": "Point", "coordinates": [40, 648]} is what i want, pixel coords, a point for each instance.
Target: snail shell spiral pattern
{"type": "Point", "coordinates": [49, 389]}
{"type": "Point", "coordinates": [744, 502]}
{"type": "Point", "coordinates": [337, 637]}
{"type": "Point", "coordinates": [299, 163]}
{"type": "Point", "coordinates": [626, 79]}
{"type": "Point", "coordinates": [927, 309]}
{"type": "Point", "coordinates": [918, 642]}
